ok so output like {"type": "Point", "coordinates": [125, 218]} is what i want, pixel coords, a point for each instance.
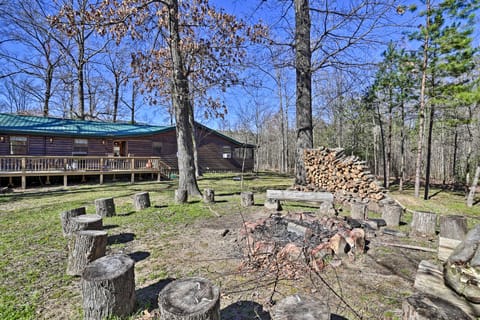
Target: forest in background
{"type": "Point", "coordinates": [395, 83]}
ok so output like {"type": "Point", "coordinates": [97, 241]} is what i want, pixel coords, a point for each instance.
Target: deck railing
{"type": "Point", "coordinates": [28, 166]}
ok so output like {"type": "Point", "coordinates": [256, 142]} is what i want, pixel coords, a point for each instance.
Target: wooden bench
{"type": "Point", "coordinates": [273, 197]}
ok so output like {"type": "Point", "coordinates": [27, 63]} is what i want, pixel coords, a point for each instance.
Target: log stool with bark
{"type": "Point", "coordinates": [422, 306]}
{"type": "Point", "coordinates": [246, 198]}
{"type": "Point", "coordinates": [453, 229]}
{"type": "Point", "coordinates": [108, 287]}
{"type": "Point", "coordinates": [208, 195]}
{"type": "Point", "coordinates": [66, 218]}
{"type": "Point", "coordinates": [105, 207]}
{"type": "Point", "coordinates": [392, 214]}
{"type": "Point", "coordinates": [190, 299]}
{"type": "Point", "coordinates": [424, 223]}
{"type": "Point", "coordinates": [181, 196]}
{"type": "Point", "coordinates": [84, 247]}
{"type": "Point", "coordinates": [86, 222]}
{"type": "Point", "coordinates": [300, 307]}
{"type": "Point", "coordinates": [358, 210]}
{"type": "Point", "coordinates": [141, 201]}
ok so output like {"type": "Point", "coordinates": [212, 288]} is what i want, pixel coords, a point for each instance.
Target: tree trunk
{"type": "Point", "coordinates": [424, 223]}
{"type": "Point", "coordinates": [190, 299]}
{"type": "Point", "coordinates": [422, 306]}
{"type": "Point", "coordinates": [141, 201]}
{"type": "Point", "coordinates": [182, 107]}
{"type": "Point", "coordinates": [108, 287]}
{"type": "Point", "coordinates": [181, 196]}
{"type": "Point", "coordinates": [85, 247]}
{"type": "Point", "coordinates": [303, 56]}
{"type": "Point", "coordinates": [105, 207]}
{"type": "Point", "coordinates": [48, 89]}
{"type": "Point", "coordinates": [473, 188]}
{"type": "Point", "coordinates": [402, 146]}
{"type": "Point", "coordinates": [66, 218]}
{"type": "Point", "coordinates": [301, 307]}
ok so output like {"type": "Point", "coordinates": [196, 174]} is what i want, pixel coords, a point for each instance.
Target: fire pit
{"type": "Point", "coordinates": [295, 242]}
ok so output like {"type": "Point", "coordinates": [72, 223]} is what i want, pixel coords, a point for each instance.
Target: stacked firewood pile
{"type": "Point", "coordinates": [333, 171]}
{"type": "Point", "coordinates": [294, 243]}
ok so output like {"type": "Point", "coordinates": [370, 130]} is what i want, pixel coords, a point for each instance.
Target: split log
{"type": "Point", "coordinates": [358, 210]}
{"type": "Point", "coordinates": [141, 200]}
{"type": "Point", "coordinates": [190, 299]}
{"type": "Point", "coordinates": [66, 218]}
{"type": "Point", "coordinates": [105, 207]}
{"type": "Point", "coordinates": [301, 307]}
{"type": "Point", "coordinates": [208, 195]}
{"type": "Point", "coordinates": [422, 306]}
{"type": "Point", "coordinates": [108, 287]}
{"type": "Point", "coordinates": [181, 196]}
{"type": "Point", "coordinates": [424, 223]}
{"type": "Point", "coordinates": [85, 247]}
{"type": "Point", "coordinates": [392, 214]}
{"type": "Point", "coordinates": [246, 198]}
{"type": "Point", "coordinates": [430, 279]}
{"type": "Point", "coordinates": [86, 222]}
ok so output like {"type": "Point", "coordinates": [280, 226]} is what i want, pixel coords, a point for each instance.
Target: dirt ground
{"type": "Point", "coordinates": [370, 287]}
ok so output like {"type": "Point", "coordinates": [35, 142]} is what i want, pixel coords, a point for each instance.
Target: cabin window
{"type": "Point", "coordinates": [80, 147]}
{"type": "Point", "coordinates": [18, 145]}
{"type": "Point", "coordinates": [227, 152]}
{"type": "Point", "coordinates": [157, 148]}
{"type": "Point", "coordinates": [240, 153]}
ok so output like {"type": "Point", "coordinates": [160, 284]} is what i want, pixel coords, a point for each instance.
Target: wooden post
{"type": "Point", "coordinates": [85, 247]}
{"type": "Point", "coordinates": [66, 216]}
{"type": "Point", "coordinates": [181, 196]}
{"type": "Point", "coordinates": [190, 299]}
{"type": "Point", "coordinates": [24, 176]}
{"type": "Point", "coordinates": [422, 306]}
{"type": "Point", "coordinates": [424, 223]}
{"type": "Point", "coordinates": [392, 214]}
{"type": "Point", "coordinates": [208, 195]}
{"type": "Point", "coordinates": [105, 207]}
{"type": "Point", "coordinates": [246, 199]}
{"type": "Point", "coordinates": [358, 210]}
{"type": "Point", "coordinates": [65, 181]}
{"type": "Point", "coordinates": [108, 287]}
{"type": "Point", "coordinates": [141, 201]}
{"type": "Point", "coordinates": [301, 307]}
{"type": "Point", "coordinates": [101, 178]}
{"type": "Point", "coordinates": [132, 178]}
{"type": "Point", "coordinates": [86, 222]}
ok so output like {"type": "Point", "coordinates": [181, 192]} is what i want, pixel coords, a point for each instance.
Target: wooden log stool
{"type": "Point", "coordinates": [141, 201]}
{"type": "Point", "coordinates": [105, 207]}
{"type": "Point", "coordinates": [392, 214]}
{"type": "Point", "coordinates": [273, 204]}
{"type": "Point", "coordinates": [66, 217]}
{"type": "Point", "coordinates": [453, 229]}
{"type": "Point", "coordinates": [85, 247]}
{"type": "Point", "coordinates": [181, 196]}
{"type": "Point", "coordinates": [208, 195]}
{"type": "Point", "coordinates": [246, 199]}
{"type": "Point", "coordinates": [108, 287]}
{"type": "Point", "coordinates": [422, 306]}
{"type": "Point", "coordinates": [86, 222]}
{"type": "Point", "coordinates": [424, 223]}
{"type": "Point", "coordinates": [190, 299]}
{"type": "Point", "coordinates": [358, 210]}
{"type": "Point", "coordinates": [300, 307]}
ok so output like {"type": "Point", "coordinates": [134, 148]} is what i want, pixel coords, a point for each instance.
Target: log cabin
{"type": "Point", "coordinates": [32, 146]}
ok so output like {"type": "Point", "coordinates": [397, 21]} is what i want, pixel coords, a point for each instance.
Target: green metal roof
{"type": "Point", "coordinates": [19, 124]}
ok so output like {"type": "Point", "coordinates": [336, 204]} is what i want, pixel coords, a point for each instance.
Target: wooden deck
{"type": "Point", "coordinates": [31, 166]}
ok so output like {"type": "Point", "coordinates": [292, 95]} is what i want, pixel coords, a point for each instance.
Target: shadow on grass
{"type": "Point", "coordinates": [244, 310]}
{"type": "Point", "coordinates": [337, 317]}
{"type": "Point", "coordinates": [139, 255]}
{"type": "Point", "coordinates": [126, 214]}
{"type": "Point", "coordinates": [110, 226]}
{"type": "Point", "coordinates": [120, 238]}
{"type": "Point", "coordinates": [160, 206]}
{"type": "Point", "coordinates": [148, 296]}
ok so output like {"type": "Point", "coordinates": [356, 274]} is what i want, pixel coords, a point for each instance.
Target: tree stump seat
{"type": "Point", "coordinates": [358, 210]}
{"type": "Point", "coordinates": [392, 214]}
{"type": "Point", "coordinates": [105, 207]}
{"type": "Point", "coordinates": [246, 199]}
{"type": "Point", "coordinates": [66, 217]}
{"type": "Point", "coordinates": [108, 287]}
{"type": "Point", "coordinates": [190, 299]}
{"type": "Point", "coordinates": [84, 247]}
{"type": "Point", "coordinates": [86, 222]}
{"type": "Point", "coordinates": [208, 195]}
{"type": "Point", "coordinates": [424, 223]}
{"type": "Point", "coordinates": [141, 201]}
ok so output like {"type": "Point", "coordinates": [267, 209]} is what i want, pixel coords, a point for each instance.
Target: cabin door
{"type": "Point", "coordinates": [120, 148]}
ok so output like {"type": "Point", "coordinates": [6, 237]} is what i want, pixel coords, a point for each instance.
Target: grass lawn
{"type": "Point", "coordinates": [33, 251]}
